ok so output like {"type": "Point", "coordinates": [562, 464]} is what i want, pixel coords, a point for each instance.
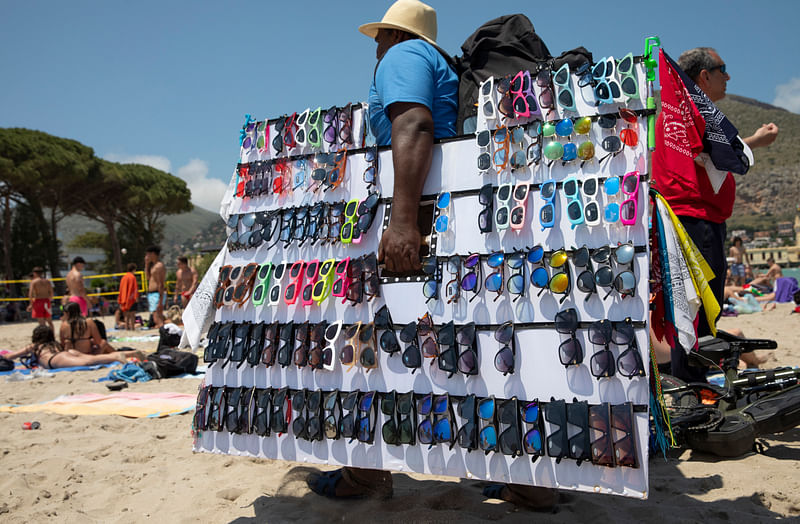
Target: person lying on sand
{"type": "Point", "coordinates": [51, 355]}
{"type": "Point", "coordinates": [79, 333]}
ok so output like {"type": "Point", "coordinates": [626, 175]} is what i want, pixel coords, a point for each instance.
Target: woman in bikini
{"type": "Point", "coordinates": [51, 355]}
{"type": "Point", "coordinates": [77, 332]}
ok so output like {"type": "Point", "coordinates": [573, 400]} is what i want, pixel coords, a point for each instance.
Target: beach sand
{"type": "Point", "coordinates": [115, 469]}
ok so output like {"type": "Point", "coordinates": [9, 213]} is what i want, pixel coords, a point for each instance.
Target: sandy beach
{"type": "Point", "coordinates": [80, 468]}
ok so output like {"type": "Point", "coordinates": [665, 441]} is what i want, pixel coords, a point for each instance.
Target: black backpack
{"type": "Point", "coordinates": [498, 47]}
{"type": "Point", "coordinates": [171, 362]}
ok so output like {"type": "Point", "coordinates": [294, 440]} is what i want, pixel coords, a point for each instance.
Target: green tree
{"type": "Point", "coordinates": [151, 194]}
{"type": "Point", "coordinates": [52, 175]}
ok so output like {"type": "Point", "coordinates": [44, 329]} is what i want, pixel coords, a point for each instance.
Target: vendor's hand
{"type": "Point", "coordinates": [29, 308]}
{"type": "Point", "coordinates": [765, 135]}
{"type": "Point", "coordinates": [399, 248]}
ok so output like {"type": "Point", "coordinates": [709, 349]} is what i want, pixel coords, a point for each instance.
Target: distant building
{"type": "Point", "coordinates": [741, 233]}
{"type": "Point", "coordinates": [785, 229]}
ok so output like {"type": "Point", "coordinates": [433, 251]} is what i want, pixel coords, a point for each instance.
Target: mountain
{"type": "Point", "coordinates": [186, 233]}
{"type": "Point", "coordinates": [770, 191]}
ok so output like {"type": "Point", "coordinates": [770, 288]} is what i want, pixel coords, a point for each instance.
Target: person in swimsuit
{"type": "Point", "coordinates": [80, 333]}
{"type": "Point", "coordinates": [77, 291]}
{"type": "Point", "coordinates": [41, 297]}
{"type": "Point", "coordinates": [185, 282]}
{"type": "Point", "coordinates": [51, 355]}
{"type": "Point", "coordinates": [156, 273]}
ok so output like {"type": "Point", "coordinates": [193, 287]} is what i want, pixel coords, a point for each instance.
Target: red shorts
{"type": "Point", "coordinates": [41, 308]}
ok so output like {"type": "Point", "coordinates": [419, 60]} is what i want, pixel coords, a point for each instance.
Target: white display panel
{"type": "Point", "coordinates": [538, 374]}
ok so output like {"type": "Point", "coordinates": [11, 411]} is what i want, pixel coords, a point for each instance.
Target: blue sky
{"type": "Point", "coordinates": [167, 83]}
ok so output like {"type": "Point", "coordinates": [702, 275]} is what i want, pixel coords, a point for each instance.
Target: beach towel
{"type": "Point", "coordinates": [785, 288]}
{"type": "Point", "coordinates": [126, 404]}
{"type": "Point", "coordinates": [128, 291]}
{"type": "Point", "coordinates": [22, 369]}
{"type": "Point", "coordinates": [685, 300]}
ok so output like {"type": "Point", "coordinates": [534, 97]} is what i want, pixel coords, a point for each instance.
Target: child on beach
{"type": "Point", "coordinates": [51, 355]}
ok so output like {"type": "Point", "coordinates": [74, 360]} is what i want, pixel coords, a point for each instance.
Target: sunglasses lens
{"type": "Point", "coordinates": [546, 214]}
{"type": "Point", "coordinates": [585, 282]}
{"type": "Point", "coordinates": [558, 258]}
{"type": "Point", "coordinates": [625, 282]}
{"type": "Point", "coordinates": [583, 125]}
{"type": "Point", "coordinates": [504, 360]}
{"type": "Point", "coordinates": [494, 282]}
{"type": "Point", "coordinates": [539, 277]}
{"type": "Point", "coordinates": [554, 150]}
{"type": "Point", "coordinates": [548, 129]}
{"type": "Point", "coordinates": [604, 277]}
{"type": "Point", "coordinates": [570, 352]}
{"type": "Point", "coordinates": [469, 281]}
{"type": "Point", "coordinates": [565, 126]}
{"type": "Point", "coordinates": [612, 144]}
{"type": "Point", "coordinates": [570, 152]}
{"type": "Point", "coordinates": [535, 255]}
{"type": "Point", "coordinates": [504, 333]}
{"type": "Point", "coordinates": [586, 151]}
{"type": "Point", "coordinates": [567, 321]}
{"type": "Point", "coordinates": [629, 137]}
{"type": "Point", "coordinates": [559, 283]}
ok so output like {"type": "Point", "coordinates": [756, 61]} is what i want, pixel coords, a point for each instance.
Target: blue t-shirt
{"type": "Point", "coordinates": [413, 71]}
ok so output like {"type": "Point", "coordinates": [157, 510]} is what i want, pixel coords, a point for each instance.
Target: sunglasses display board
{"type": "Point", "coordinates": [519, 354]}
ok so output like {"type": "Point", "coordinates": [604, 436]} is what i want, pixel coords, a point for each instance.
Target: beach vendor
{"type": "Point", "coordinates": [156, 274]}
{"type": "Point", "coordinates": [40, 295]}
{"type": "Point", "coordinates": [128, 296]}
{"type": "Point", "coordinates": [50, 354]}
{"type": "Point", "coordinates": [413, 100]}
{"type": "Point", "coordinates": [75, 287]}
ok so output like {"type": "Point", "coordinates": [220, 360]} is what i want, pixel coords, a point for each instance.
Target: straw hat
{"type": "Point", "coordinates": [406, 15]}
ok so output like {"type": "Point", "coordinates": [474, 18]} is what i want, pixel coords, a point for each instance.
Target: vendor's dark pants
{"type": "Point", "coordinates": [710, 240]}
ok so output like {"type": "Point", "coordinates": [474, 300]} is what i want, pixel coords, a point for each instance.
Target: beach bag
{"type": "Point", "coordinates": [6, 364]}
{"type": "Point", "coordinates": [507, 44]}
{"type": "Point", "coordinates": [169, 336]}
{"type": "Point", "coordinates": [735, 436]}
{"type": "Point", "coordinates": [172, 362]}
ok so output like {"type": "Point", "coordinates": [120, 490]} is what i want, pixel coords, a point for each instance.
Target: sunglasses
{"type": "Point", "coordinates": [622, 422]}
{"type": "Point", "coordinates": [508, 417]}
{"type": "Point", "coordinates": [516, 281]}
{"type": "Point", "coordinates": [425, 330]}
{"type": "Point", "coordinates": [341, 280]}
{"type": "Point", "coordinates": [504, 358]}
{"type": "Point", "coordinates": [262, 410]}
{"type": "Point", "coordinates": [471, 281]}
{"type": "Point", "coordinates": [453, 286]}
{"type": "Point", "coordinates": [486, 98]}
{"type": "Point", "coordinates": [332, 332]}
{"type": "Point", "coordinates": [521, 190]}
{"type": "Point", "coordinates": [367, 414]}
{"type": "Point", "coordinates": [345, 118]}
{"type": "Point", "coordinates": [570, 351]}
{"type": "Point", "coordinates": [523, 100]}
{"type": "Point", "coordinates": [547, 213]}
{"type": "Point", "coordinates": [623, 282]}
{"type": "Point", "coordinates": [504, 105]}
{"type": "Point", "coordinates": [628, 83]}
{"type": "Point", "coordinates": [401, 410]}
{"type": "Point", "coordinates": [574, 204]}
{"type": "Point", "coordinates": [388, 339]}
{"type": "Point", "coordinates": [579, 443]}
{"type": "Point", "coordinates": [467, 436]}
{"type": "Point", "coordinates": [430, 288]}
{"type": "Point", "coordinates": [606, 88]}
{"type": "Point", "coordinates": [280, 410]}
{"type": "Point", "coordinates": [349, 353]}
{"type": "Point", "coordinates": [483, 139]}
{"type": "Point", "coordinates": [485, 198]}
{"type": "Point", "coordinates": [350, 218]}
{"type": "Point", "coordinates": [611, 188]}
{"type": "Point", "coordinates": [317, 354]}
{"type": "Point", "coordinates": [448, 350]}
{"type": "Point", "coordinates": [313, 125]}
{"type": "Point", "coordinates": [503, 212]}
{"type": "Point", "coordinates": [367, 355]}
{"type": "Point", "coordinates": [412, 356]}
{"type": "Point", "coordinates": [371, 172]}
{"type": "Point", "coordinates": [311, 276]}
{"type": "Point", "coordinates": [286, 344]}
{"type": "Point", "coordinates": [566, 96]}
{"type": "Point", "coordinates": [323, 286]}
{"type": "Point", "coordinates": [331, 123]}
{"type": "Point", "coordinates": [502, 141]}
{"type": "Point", "coordinates": [495, 281]}
{"type": "Point", "coordinates": [629, 208]}
{"type": "Point", "coordinates": [468, 357]}
{"type": "Point", "coordinates": [332, 415]}
{"type": "Point", "coordinates": [300, 135]}
{"type": "Point", "coordinates": [602, 446]}
{"type": "Point", "coordinates": [442, 212]}
{"type": "Point", "coordinates": [438, 426]}
{"type": "Point", "coordinates": [302, 334]}
{"type": "Point", "coordinates": [347, 425]}
{"type": "Point", "coordinates": [295, 286]}
{"type": "Point", "coordinates": [532, 440]}
{"type": "Point", "coordinates": [591, 210]}
{"type": "Point", "coordinates": [546, 98]}
{"type": "Point", "coordinates": [255, 343]}
{"type": "Point", "coordinates": [289, 132]}
{"type": "Point", "coordinates": [487, 433]}
{"type": "Point", "coordinates": [629, 362]}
